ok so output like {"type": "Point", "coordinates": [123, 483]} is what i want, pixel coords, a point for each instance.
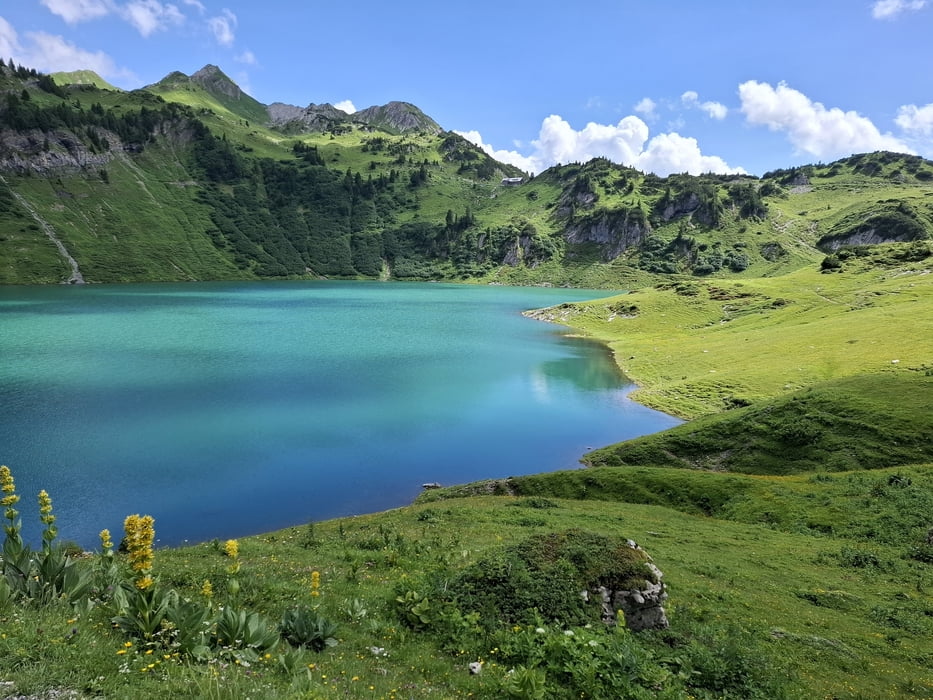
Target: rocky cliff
{"type": "Point", "coordinates": [613, 231]}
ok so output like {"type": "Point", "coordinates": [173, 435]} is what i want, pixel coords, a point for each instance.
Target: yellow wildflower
{"type": "Point", "coordinates": [140, 534]}
{"type": "Point", "coordinates": [207, 590]}
{"type": "Point", "coordinates": [315, 584]}
{"type": "Point", "coordinates": [45, 508]}
{"type": "Point", "coordinates": [106, 543]}
{"type": "Point", "coordinates": [8, 488]}
{"type": "Point", "coordinates": [232, 548]}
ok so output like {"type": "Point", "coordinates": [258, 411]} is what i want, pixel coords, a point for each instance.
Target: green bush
{"type": "Point", "coordinates": [545, 575]}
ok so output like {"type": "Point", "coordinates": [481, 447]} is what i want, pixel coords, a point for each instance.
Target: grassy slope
{"type": "Point", "coordinates": [842, 628]}
{"type": "Point", "coordinates": [108, 226]}
{"type": "Point", "coordinates": [696, 347]}
{"type": "Point", "coordinates": [861, 422]}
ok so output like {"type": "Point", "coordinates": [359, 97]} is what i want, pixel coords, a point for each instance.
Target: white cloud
{"type": "Point", "coordinates": [150, 16]}
{"type": "Point", "coordinates": [526, 163]}
{"type": "Point", "coordinates": [346, 106]}
{"type": "Point", "coordinates": [247, 57]}
{"type": "Point", "coordinates": [73, 11]}
{"type": "Point", "coordinates": [916, 120]}
{"type": "Point", "coordinates": [626, 142]}
{"type": "Point", "coordinates": [195, 3]}
{"type": "Point", "coordinates": [811, 127]}
{"type": "Point", "coordinates": [50, 53]}
{"type": "Point", "coordinates": [9, 41]}
{"type": "Point", "coordinates": [647, 107]}
{"type": "Point", "coordinates": [222, 26]}
{"type": "Point", "coordinates": [672, 153]}
{"type": "Point", "coordinates": [714, 110]}
{"type": "Point", "coordinates": [889, 9]}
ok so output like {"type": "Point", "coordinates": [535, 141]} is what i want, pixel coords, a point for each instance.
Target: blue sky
{"type": "Point", "coordinates": [662, 85]}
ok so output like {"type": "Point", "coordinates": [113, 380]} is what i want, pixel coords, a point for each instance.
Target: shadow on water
{"type": "Point", "coordinates": [591, 368]}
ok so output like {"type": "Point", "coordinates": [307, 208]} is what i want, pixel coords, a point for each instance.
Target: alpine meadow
{"type": "Point", "coordinates": [776, 544]}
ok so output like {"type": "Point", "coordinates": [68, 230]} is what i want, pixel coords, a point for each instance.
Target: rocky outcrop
{"type": "Point", "coordinates": [897, 226]}
{"type": "Point", "coordinates": [397, 117]}
{"type": "Point", "coordinates": [36, 152]}
{"type": "Point", "coordinates": [641, 601]}
{"type": "Point", "coordinates": [614, 232]}
{"type": "Point", "coordinates": [311, 118]}
{"type": "Point", "coordinates": [212, 79]}
{"type": "Point", "coordinates": [686, 203]}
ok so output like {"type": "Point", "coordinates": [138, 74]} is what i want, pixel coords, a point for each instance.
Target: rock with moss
{"type": "Point", "coordinates": [571, 577]}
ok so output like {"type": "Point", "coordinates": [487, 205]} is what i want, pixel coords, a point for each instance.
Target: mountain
{"type": "Point", "coordinates": [314, 117]}
{"type": "Point", "coordinates": [397, 118]}
{"type": "Point", "coordinates": [192, 178]}
{"type": "Point", "coordinates": [210, 84]}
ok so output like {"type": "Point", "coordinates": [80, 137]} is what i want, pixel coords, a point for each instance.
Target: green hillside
{"type": "Point", "coordinates": [189, 179]}
{"type": "Point", "coordinates": [82, 77]}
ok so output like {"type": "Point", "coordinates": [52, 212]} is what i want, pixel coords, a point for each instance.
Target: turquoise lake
{"type": "Point", "coordinates": [228, 409]}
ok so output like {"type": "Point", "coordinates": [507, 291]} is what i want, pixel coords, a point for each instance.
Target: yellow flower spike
{"type": "Point", "coordinates": [140, 534]}
{"type": "Point", "coordinates": [232, 548]}
{"type": "Point", "coordinates": [106, 543]}
{"type": "Point", "coordinates": [10, 498]}
{"type": "Point", "coordinates": [207, 590]}
{"type": "Point", "coordinates": [6, 481]}
{"type": "Point", "coordinates": [45, 507]}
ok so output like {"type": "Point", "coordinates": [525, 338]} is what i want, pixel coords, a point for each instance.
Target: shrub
{"type": "Point", "coordinates": [547, 573]}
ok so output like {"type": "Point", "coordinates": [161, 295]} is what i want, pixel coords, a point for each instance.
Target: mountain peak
{"type": "Point", "coordinates": [398, 117]}
{"type": "Point", "coordinates": [214, 80]}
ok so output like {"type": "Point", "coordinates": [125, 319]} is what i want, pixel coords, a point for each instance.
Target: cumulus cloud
{"type": "Point", "coordinates": [247, 57]}
{"type": "Point", "coordinates": [526, 163]}
{"type": "Point", "coordinates": [647, 107]}
{"type": "Point", "coordinates": [715, 110]}
{"type": "Point", "coordinates": [626, 142]}
{"type": "Point", "coordinates": [889, 9]}
{"type": "Point", "coordinates": [916, 120]}
{"type": "Point", "coordinates": [346, 106]}
{"type": "Point", "coordinates": [49, 53]}
{"type": "Point", "coordinates": [74, 11]}
{"type": "Point", "coordinates": [222, 27]}
{"type": "Point", "coordinates": [150, 16]}
{"type": "Point", "coordinates": [811, 127]}
{"type": "Point", "coordinates": [195, 4]}
{"type": "Point", "coordinates": [9, 40]}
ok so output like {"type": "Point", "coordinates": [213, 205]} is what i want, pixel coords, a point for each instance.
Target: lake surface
{"type": "Point", "coordinates": [227, 409]}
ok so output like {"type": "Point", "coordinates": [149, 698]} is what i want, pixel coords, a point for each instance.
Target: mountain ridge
{"type": "Point", "coordinates": [386, 193]}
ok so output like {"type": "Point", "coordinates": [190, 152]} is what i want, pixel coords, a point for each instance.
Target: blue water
{"type": "Point", "coordinates": [226, 409]}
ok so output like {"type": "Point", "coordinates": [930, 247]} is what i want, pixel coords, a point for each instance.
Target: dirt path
{"type": "Point", "coordinates": [76, 276]}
